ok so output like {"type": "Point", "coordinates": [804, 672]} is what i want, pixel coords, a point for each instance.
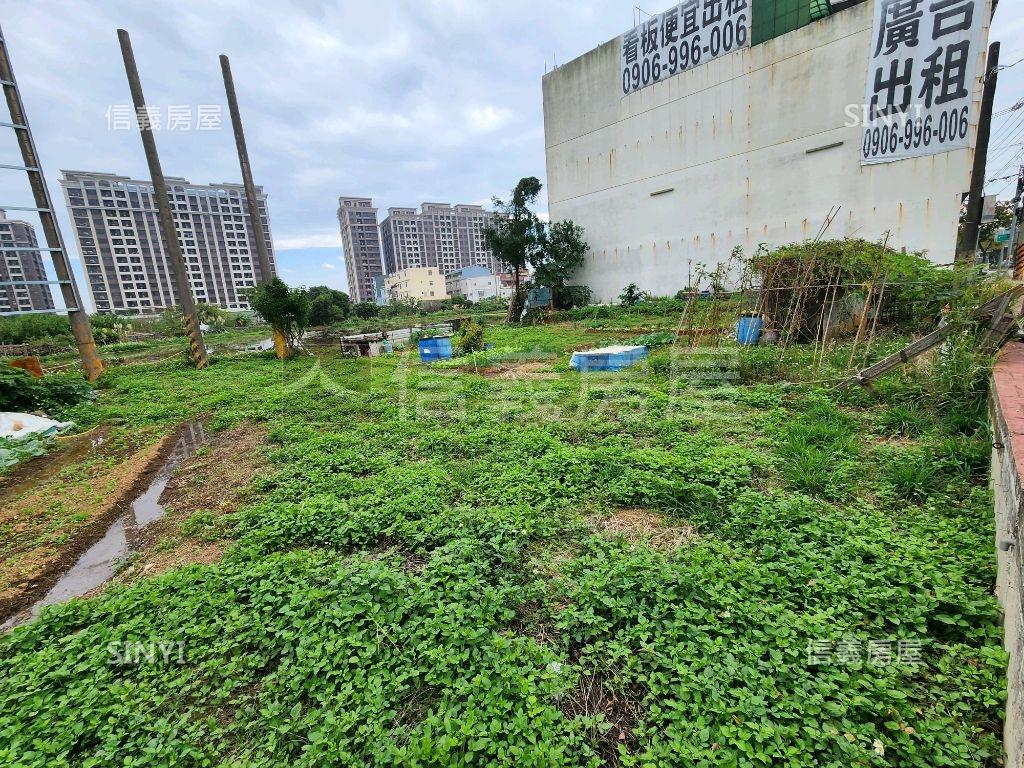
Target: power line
{"type": "Point", "coordinates": [1018, 61]}
{"type": "Point", "coordinates": [1012, 108]}
{"type": "Point", "coordinates": [1009, 125]}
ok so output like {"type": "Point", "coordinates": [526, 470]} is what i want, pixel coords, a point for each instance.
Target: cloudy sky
{"type": "Point", "coordinates": [401, 100]}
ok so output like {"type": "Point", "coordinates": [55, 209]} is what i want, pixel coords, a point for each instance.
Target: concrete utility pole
{"type": "Point", "coordinates": [1016, 248]}
{"type": "Point", "coordinates": [92, 366]}
{"type": "Point", "coordinates": [968, 244]}
{"type": "Point", "coordinates": [165, 217]}
{"type": "Point", "coordinates": [266, 270]}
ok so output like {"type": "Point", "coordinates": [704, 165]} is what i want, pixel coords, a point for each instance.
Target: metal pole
{"type": "Point", "coordinates": [968, 244]}
{"type": "Point", "coordinates": [266, 270]}
{"type": "Point", "coordinates": [1016, 253]}
{"type": "Point", "coordinates": [165, 217]}
{"type": "Point", "coordinates": [92, 366]}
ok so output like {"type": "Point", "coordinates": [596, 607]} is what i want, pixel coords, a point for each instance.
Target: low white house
{"type": "Point", "coordinates": [476, 283]}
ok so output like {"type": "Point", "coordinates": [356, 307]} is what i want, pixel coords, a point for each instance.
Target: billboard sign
{"type": "Point", "coordinates": [922, 70]}
{"type": "Point", "coordinates": [686, 36]}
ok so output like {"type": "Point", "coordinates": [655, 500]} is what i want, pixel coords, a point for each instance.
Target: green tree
{"type": "Point", "coordinates": [339, 299]}
{"type": "Point", "coordinates": [211, 315]}
{"type": "Point", "coordinates": [365, 310]}
{"type": "Point", "coordinates": [562, 253]}
{"type": "Point", "coordinates": [516, 235]}
{"type": "Point", "coordinates": [987, 232]}
{"type": "Point", "coordinates": [287, 311]}
{"type": "Point", "coordinates": [631, 296]}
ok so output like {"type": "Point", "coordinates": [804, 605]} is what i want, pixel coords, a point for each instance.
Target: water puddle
{"type": "Point", "coordinates": [99, 563]}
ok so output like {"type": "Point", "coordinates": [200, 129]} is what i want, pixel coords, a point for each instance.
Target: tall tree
{"type": "Point", "coordinates": [517, 235]}
{"type": "Point", "coordinates": [287, 311]}
{"type": "Point", "coordinates": [328, 305]}
{"type": "Point", "coordinates": [562, 251]}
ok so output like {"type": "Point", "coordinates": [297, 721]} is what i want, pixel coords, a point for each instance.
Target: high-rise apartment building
{"type": "Point", "coordinates": [126, 262]}
{"type": "Point", "coordinates": [439, 235]}
{"type": "Point", "coordinates": [21, 269]}
{"type": "Point", "coordinates": [360, 239]}
{"type": "Point", "coordinates": [401, 237]}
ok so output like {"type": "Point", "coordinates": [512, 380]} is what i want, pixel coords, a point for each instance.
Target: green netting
{"type": "Point", "coordinates": [771, 18]}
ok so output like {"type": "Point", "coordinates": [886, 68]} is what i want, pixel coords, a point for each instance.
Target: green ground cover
{"type": "Point", "coordinates": [424, 579]}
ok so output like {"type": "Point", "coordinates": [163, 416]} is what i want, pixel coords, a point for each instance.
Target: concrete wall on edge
{"type": "Point", "coordinates": [730, 138]}
{"type": "Point", "coordinates": [1007, 409]}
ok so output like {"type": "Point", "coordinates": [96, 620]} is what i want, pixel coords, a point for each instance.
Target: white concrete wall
{"type": "Point", "coordinates": [1009, 526]}
{"type": "Point", "coordinates": [731, 139]}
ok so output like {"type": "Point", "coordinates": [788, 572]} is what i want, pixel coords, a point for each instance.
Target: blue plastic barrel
{"type": "Point", "coordinates": [748, 329]}
{"type": "Point", "coordinates": [437, 348]}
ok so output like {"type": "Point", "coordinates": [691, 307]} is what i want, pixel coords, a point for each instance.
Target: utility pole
{"type": "Point", "coordinates": [165, 217]}
{"type": "Point", "coordinates": [92, 366]}
{"type": "Point", "coordinates": [968, 244]}
{"type": "Point", "coordinates": [1017, 249]}
{"type": "Point", "coordinates": [266, 270]}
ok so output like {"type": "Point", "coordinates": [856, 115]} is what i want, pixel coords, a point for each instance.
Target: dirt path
{"type": "Point", "coordinates": [54, 508]}
{"type": "Point", "coordinates": [199, 501]}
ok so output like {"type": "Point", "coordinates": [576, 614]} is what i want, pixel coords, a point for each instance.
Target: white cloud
{"type": "Point", "coordinates": [308, 241]}
{"type": "Point", "coordinates": [486, 119]}
{"type": "Point", "coordinates": [328, 265]}
{"type": "Point", "coordinates": [402, 101]}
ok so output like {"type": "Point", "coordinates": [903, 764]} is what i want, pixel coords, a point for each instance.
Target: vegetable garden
{"type": "Point", "coordinates": [425, 575]}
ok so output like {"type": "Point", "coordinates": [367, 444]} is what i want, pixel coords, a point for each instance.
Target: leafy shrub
{"type": "Point", "coordinates": [631, 296]}
{"type": "Point", "coordinates": [364, 310]}
{"type": "Point", "coordinates": [472, 338]}
{"type": "Point", "coordinates": [21, 392]}
{"type": "Point", "coordinates": [17, 389]}
{"type": "Point", "coordinates": [61, 390]}
{"type": "Point", "coordinates": [657, 339]}
{"type": "Point", "coordinates": [286, 309]}
{"type": "Point", "coordinates": [39, 328]}
{"type": "Point", "coordinates": [13, 451]}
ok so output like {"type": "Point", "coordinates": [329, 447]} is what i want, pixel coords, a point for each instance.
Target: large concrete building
{"type": "Point", "coordinates": [438, 235]}
{"type": "Point", "coordinates": [755, 145]}
{"type": "Point", "coordinates": [360, 240]}
{"type": "Point", "coordinates": [425, 284]}
{"type": "Point", "coordinates": [127, 266]}
{"type": "Point", "coordinates": [401, 239]}
{"type": "Point", "coordinates": [21, 269]}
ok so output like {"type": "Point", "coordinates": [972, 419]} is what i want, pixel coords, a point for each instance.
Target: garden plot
{"type": "Point", "coordinates": [430, 567]}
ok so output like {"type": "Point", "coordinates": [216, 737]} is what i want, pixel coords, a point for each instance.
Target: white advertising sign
{"type": "Point", "coordinates": [681, 38]}
{"type": "Point", "coordinates": [922, 66]}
